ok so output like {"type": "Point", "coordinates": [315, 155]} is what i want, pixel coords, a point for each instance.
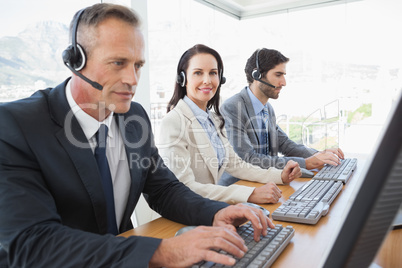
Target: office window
{"type": "Point", "coordinates": [32, 38]}
{"type": "Point", "coordinates": [344, 72]}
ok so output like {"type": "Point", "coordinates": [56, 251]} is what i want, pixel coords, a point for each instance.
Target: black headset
{"type": "Point", "coordinates": [181, 79]}
{"type": "Point", "coordinates": [74, 55]}
{"type": "Point", "coordinates": [256, 74]}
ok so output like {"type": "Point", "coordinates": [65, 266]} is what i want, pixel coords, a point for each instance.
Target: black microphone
{"type": "Point", "coordinates": [265, 83]}
{"type": "Point", "coordinates": [92, 83]}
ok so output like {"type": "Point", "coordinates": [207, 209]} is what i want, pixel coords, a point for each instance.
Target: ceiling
{"type": "Point", "coordinates": [243, 9]}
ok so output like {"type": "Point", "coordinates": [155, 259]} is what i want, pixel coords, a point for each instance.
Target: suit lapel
{"type": "Point", "coordinates": [73, 140]}
{"type": "Point", "coordinates": [250, 113]}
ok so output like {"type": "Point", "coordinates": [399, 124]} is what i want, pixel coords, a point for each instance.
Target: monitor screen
{"type": "Point", "coordinates": [375, 201]}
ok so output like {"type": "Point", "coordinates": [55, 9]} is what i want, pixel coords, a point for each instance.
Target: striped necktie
{"type": "Point", "coordinates": [106, 178]}
{"type": "Point", "coordinates": [265, 134]}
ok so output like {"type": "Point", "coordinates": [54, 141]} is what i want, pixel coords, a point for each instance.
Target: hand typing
{"type": "Point", "coordinates": [202, 242]}
{"type": "Point", "coordinates": [328, 156]}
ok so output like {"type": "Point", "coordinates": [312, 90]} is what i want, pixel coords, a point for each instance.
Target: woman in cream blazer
{"type": "Point", "coordinates": [186, 146]}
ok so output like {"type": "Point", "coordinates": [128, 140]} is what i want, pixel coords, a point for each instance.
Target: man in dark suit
{"type": "Point", "coordinates": [54, 199]}
{"type": "Point", "coordinates": [253, 132]}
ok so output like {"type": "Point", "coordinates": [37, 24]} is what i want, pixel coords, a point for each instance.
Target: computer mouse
{"type": "Point", "coordinates": [266, 212]}
{"type": "Point", "coordinates": [184, 229]}
{"type": "Point", "coordinates": [306, 173]}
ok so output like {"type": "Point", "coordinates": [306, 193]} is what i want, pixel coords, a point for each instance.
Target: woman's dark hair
{"type": "Point", "coordinates": [181, 91]}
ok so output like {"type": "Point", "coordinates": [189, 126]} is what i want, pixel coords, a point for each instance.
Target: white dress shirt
{"type": "Point", "coordinates": [115, 152]}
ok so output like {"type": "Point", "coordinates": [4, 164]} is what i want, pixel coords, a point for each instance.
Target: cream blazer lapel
{"type": "Point", "coordinates": [200, 140]}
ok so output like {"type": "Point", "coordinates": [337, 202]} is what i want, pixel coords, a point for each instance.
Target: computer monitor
{"type": "Point", "coordinates": [375, 202]}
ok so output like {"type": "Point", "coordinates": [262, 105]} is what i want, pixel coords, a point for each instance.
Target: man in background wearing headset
{"type": "Point", "coordinates": [251, 122]}
{"type": "Point", "coordinates": [75, 159]}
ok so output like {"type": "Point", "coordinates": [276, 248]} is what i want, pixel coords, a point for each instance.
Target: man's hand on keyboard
{"type": "Point", "coordinates": [329, 156]}
{"type": "Point", "coordinates": [199, 244]}
{"type": "Point", "coordinates": [202, 242]}
{"type": "Point", "coordinates": [291, 171]}
{"type": "Point", "coordinates": [236, 215]}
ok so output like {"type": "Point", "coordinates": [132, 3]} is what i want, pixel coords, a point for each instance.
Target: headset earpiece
{"type": "Point", "coordinates": [74, 54]}
{"type": "Point", "coordinates": [68, 55]}
{"type": "Point", "coordinates": [181, 79]}
{"type": "Point", "coordinates": [256, 74]}
{"type": "Point", "coordinates": [76, 60]}
{"type": "Point", "coordinates": [222, 79]}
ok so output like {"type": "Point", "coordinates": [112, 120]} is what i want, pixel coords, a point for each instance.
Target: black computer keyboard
{"type": "Point", "coordinates": [262, 253]}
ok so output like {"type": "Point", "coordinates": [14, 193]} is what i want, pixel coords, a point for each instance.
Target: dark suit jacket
{"type": "Point", "coordinates": [52, 207]}
{"type": "Point", "coordinates": [241, 126]}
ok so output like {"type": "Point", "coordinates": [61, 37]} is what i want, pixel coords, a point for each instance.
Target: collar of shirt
{"type": "Point", "coordinates": [202, 116]}
{"type": "Point", "coordinates": [88, 124]}
{"type": "Point", "coordinates": [257, 105]}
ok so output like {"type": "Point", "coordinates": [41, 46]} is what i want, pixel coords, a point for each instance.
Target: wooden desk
{"type": "Point", "coordinates": [310, 242]}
